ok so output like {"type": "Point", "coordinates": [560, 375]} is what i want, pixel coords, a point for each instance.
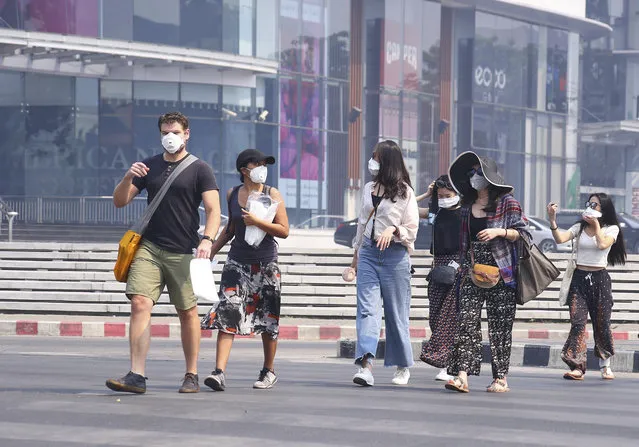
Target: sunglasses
{"type": "Point", "coordinates": [592, 205]}
{"type": "Point", "coordinates": [474, 171]}
{"type": "Point", "coordinates": [443, 184]}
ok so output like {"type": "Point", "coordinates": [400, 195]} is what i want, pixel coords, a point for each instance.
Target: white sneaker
{"type": "Point", "coordinates": [443, 376]}
{"type": "Point", "coordinates": [401, 376]}
{"type": "Point", "coordinates": [364, 377]}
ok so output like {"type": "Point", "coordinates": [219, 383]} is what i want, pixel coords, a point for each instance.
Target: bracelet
{"type": "Point", "coordinates": [553, 229]}
{"type": "Point", "coordinates": [506, 233]}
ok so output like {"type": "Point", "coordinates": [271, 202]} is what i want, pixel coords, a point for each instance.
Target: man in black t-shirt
{"type": "Point", "coordinates": [165, 253]}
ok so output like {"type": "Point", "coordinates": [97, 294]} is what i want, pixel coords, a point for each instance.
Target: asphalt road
{"type": "Point", "coordinates": [53, 394]}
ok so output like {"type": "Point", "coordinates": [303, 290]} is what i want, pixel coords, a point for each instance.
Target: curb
{"type": "Point", "coordinates": [529, 355]}
{"type": "Point", "coordinates": [287, 332]}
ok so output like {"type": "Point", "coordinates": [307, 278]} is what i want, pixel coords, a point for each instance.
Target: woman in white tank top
{"type": "Point", "coordinates": [599, 243]}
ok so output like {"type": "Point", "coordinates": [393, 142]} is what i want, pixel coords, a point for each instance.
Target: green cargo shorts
{"type": "Point", "coordinates": [153, 268]}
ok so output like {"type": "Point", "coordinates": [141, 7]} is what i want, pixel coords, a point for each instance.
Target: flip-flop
{"type": "Point", "coordinates": [498, 386]}
{"type": "Point", "coordinates": [457, 384]}
{"type": "Point", "coordinates": [575, 374]}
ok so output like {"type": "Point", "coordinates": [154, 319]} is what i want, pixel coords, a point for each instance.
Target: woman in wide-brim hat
{"type": "Point", "coordinates": [492, 223]}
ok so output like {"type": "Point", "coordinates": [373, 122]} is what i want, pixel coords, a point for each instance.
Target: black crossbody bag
{"type": "Point", "coordinates": [441, 274]}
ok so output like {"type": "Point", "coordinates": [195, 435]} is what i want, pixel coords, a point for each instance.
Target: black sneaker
{"type": "Point", "coordinates": [216, 381]}
{"type": "Point", "coordinates": [131, 383]}
{"type": "Point", "coordinates": [190, 384]}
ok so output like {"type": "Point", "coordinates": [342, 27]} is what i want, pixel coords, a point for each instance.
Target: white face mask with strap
{"type": "Point", "coordinates": [373, 166]}
{"type": "Point", "coordinates": [172, 143]}
{"type": "Point", "coordinates": [448, 202]}
{"type": "Point", "coordinates": [259, 174]}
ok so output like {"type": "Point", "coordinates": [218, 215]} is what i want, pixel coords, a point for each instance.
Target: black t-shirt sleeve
{"type": "Point", "coordinates": [140, 182]}
{"type": "Point", "coordinates": [206, 179]}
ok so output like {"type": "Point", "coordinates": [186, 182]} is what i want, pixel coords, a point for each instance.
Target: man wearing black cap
{"type": "Point", "coordinates": [164, 256]}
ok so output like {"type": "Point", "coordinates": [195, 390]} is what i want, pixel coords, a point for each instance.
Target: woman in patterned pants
{"type": "Point", "coordinates": [250, 284]}
{"type": "Point", "coordinates": [442, 298]}
{"type": "Point", "coordinates": [598, 242]}
{"type": "Point", "coordinates": [491, 224]}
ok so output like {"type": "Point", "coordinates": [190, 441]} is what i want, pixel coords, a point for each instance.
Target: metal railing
{"type": "Point", "coordinates": [10, 214]}
{"type": "Point", "coordinates": [92, 210]}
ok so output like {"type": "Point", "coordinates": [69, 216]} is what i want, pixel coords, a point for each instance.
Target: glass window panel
{"type": "Point", "coordinates": [392, 40]}
{"type": "Point", "coordinates": [411, 159]}
{"type": "Point", "coordinates": [428, 166]}
{"type": "Point", "coordinates": [339, 17]}
{"type": "Point", "coordinates": [117, 19]}
{"type": "Point", "coordinates": [12, 134]}
{"type": "Point", "coordinates": [246, 27]}
{"type": "Point", "coordinates": [412, 44]}
{"type": "Point", "coordinates": [201, 24]}
{"type": "Point", "coordinates": [61, 16]}
{"type": "Point", "coordinates": [312, 35]}
{"type": "Point", "coordinates": [430, 47]}
{"type": "Point", "coordinates": [10, 15]}
{"type": "Point", "coordinates": [557, 71]}
{"type": "Point", "coordinates": [558, 137]}
{"type": "Point", "coordinates": [122, 90]}
{"type": "Point", "coordinates": [502, 62]}
{"type": "Point", "coordinates": [163, 91]}
{"type": "Point", "coordinates": [157, 21]}
{"type": "Point", "coordinates": [428, 120]}
{"type": "Point", "coordinates": [389, 116]}
{"type": "Point", "coordinates": [11, 92]}
{"type": "Point", "coordinates": [410, 118]}
{"type": "Point", "coordinates": [337, 109]}
{"type": "Point", "coordinates": [336, 171]}
{"type": "Point", "coordinates": [266, 29]}
{"type": "Point", "coordinates": [46, 90]}
{"type": "Point", "coordinates": [199, 93]}
{"type": "Point", "coordinates": [290, 14]}
{"type": "Point", "coordinates": [236, 97]}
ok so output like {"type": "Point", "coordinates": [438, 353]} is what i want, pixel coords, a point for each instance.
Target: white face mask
{"type": "Point", "coordinates": [172, 143]}
{"type": "Point", "coordinates": [373, 166]}
{"type": "Point", "coordinates": [479, 182]}
{"type": "Point", "coordinates": [448, 202]}
{"type": "Point", "coordinates": [589, 212]}
{"type": "Point", "coordinates": [258, 175]}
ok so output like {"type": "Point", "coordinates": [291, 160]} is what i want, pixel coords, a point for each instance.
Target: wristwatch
{"type": "Point", "coordinates": [207, 238]}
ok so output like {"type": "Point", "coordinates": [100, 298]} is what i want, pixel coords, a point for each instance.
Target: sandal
{"type": "Point", "coordinates": [498, 386]}
{"type": "Point", "coordinates": [457, 384]}
{"type": "Point", "coordinates": [606, 373]}
{"type": "Point", "coordinates": [575, 374]}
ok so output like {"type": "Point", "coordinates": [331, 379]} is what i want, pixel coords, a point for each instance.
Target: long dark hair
{"type": "Point", "coordinates": [433, 206]}
{"type": "Point", "coordinates": [392, 175]}
{"type": "Point", "coordinates": [617, 255]}
{"type": "Point", "coordinates": [494, 194]}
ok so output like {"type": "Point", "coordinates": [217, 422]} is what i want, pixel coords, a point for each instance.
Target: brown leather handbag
{"type": "Point", "coordinates": [482, 275]}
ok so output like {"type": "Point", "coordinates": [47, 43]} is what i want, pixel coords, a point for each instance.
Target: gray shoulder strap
{"type": "Point", "coordinates": [143, 222]}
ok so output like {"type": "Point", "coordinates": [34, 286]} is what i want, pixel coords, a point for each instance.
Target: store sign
{"type": "Point", "coordinates": [489, 77]}
{"type": "Point", "coordinates": [574, 8]}
{"type": "Point", "coordinates": [394, 52]}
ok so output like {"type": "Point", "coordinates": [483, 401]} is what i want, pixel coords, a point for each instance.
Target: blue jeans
{"type": "Point", "coordinates": [383, 277]}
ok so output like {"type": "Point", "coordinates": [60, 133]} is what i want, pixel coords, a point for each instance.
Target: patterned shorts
{"type": "Point", "coordinates": [250, 296]}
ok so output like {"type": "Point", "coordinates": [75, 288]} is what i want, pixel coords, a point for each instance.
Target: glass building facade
{"type": "Point", "coordinates": [510, 85]}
